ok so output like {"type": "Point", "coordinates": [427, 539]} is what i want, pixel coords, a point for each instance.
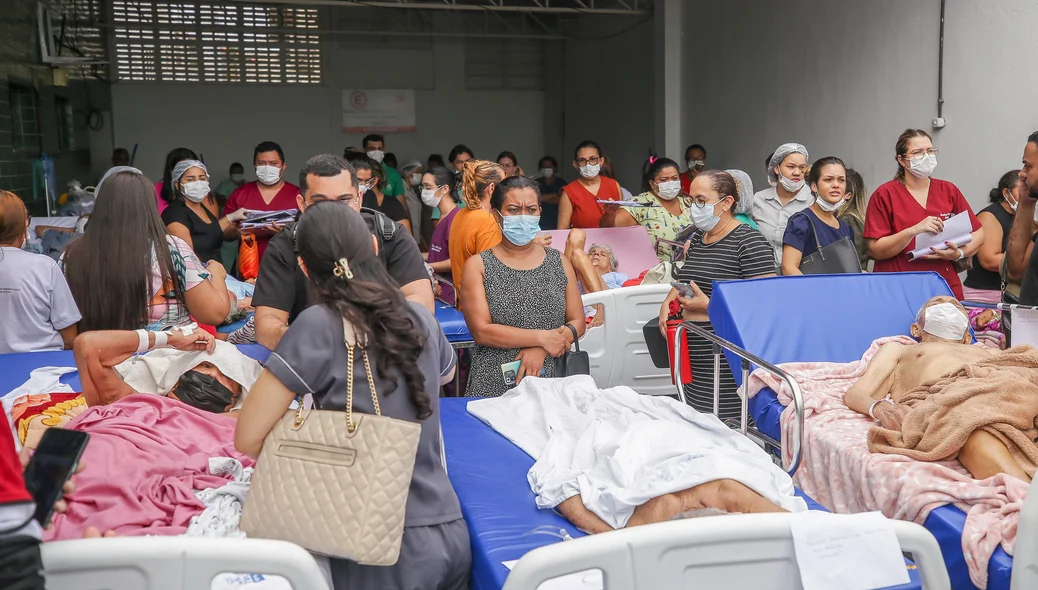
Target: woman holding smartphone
{"type": "Point", "coordinates": [721, 249]}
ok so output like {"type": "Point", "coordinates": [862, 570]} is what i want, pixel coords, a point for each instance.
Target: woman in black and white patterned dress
{"type": "Point", "coordinates": [721, 249]}
{"type": "Point", "coordinates": [521, 296]}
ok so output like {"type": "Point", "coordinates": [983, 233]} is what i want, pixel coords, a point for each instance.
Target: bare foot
{"type": "Point", "coordinates": [92, 532]}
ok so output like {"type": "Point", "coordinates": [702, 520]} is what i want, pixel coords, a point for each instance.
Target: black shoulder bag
{"type": "Point", "coordinates": [840, 257]}
{"type": "Point", "coordinates": [573, 362]}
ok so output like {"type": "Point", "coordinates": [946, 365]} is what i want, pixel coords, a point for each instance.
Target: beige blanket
{"type": "Point", "coordinates": [999, 396]}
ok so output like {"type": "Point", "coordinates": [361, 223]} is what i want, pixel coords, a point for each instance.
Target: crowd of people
{"type": "Point", "coordinates": [375, 243]}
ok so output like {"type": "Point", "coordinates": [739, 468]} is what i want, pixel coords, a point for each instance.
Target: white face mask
{"type": "Point", "coordinates": [668, 190]}
{"type": "Point", "coordinates": [196, 191]}
{"type": "Point", "coordinates": [430, 198]}
{"type": "Point", "coordinates": [704, 218]}
{"type": "Point", "coordinates": [922, 166]}
{"type": "Point", "coordinates": [416, 179]}
{"type": "Point", "coordinates": [1011, 200]}
{"type": "Point", "coordinates": [376, 155]}
{"type": "Point", "coordinates": [827, 206]}
{"type": "Point", "coordinates": [590, 170]}
{"type": "Point", "coordinates": [792, 186]}
{"type": "Point", "coordinates": [237, 178]}
{"type": "Point", "coordinates": [547, 172]}
{"type": "Point", "coordinates": [696, 165]}
{"type": "Point", "coordinates": [268, 175]}
{"type": "Point", "coordinates": [946, 321]}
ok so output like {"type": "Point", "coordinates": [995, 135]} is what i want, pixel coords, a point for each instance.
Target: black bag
{"type": "Point", "coordinates": [574, 362]}
{"type": "Point", "coordinates": [840, 257]}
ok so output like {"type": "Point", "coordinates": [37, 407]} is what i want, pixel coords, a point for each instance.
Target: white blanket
{"type": "Point", "coordinates": [159, 370]}
{"type": "Point", "coordinates": [619, 449]}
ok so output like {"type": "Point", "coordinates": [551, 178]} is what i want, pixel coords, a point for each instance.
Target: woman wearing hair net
{"type": "Point", "coordinates": [773, 206]}
{"type": "Point", "coordinates": [192, 214]}
{"type": "Point", "coordinates": [411, 173]}
{"type": "Point", "coordinates": [745, 204]}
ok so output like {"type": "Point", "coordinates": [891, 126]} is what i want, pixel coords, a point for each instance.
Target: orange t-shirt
{"type": "Point", "coordinates": [473, 231]}
{"type": "Point", "coordinates": [586, 212]}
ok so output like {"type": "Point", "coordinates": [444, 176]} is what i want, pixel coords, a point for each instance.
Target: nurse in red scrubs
{"type": "Point", "coordinates": [914, 203]}
{"type": "Point", "coordinates": [269, 192]}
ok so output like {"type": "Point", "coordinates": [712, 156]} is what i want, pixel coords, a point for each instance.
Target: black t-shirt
{"type": "Point", "coordinates": [979, 277]}
{"type": "Point", "coordinates": [282, 285]}
{"type": "Point", "coordinates": [206, 238]}
{"type": "Point", "coordinates": [390, 207]}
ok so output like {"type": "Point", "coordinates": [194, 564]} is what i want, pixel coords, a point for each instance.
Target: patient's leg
{"type": "Point", "coordinates": [724, 494]}
{"type": "Point", "coordinates": [984, 455]}
{"type": "Point", "coordinates": [586, 273]}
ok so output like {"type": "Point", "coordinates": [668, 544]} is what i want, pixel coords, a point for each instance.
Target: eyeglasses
{"type": "Point", "coordinates": [701, 201]}
{"type": "Point", "coordinates": [929, 152]}
{"type": "Point", "coordinates": [594, 161]}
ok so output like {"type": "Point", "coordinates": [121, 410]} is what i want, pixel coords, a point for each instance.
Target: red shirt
{"type": "Point", "coordinates": [12, 486]}
{"type": "Point", "coordinates": [248, 196]}
{"type": "Point", "coordinates": [586, 212]}
{"type": "Point", "coordinates": [686, 182]}
{"type": "Point", "coordinates": [892, 209]}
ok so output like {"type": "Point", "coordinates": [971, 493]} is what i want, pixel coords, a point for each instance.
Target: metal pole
{"type": "Point", "coordinates": [745, 420]}
{"type": "Point", "coordinates": [717, 380]}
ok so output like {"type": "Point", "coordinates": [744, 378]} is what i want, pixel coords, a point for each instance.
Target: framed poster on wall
{"type": "Point", "coordinates": [378, 111]}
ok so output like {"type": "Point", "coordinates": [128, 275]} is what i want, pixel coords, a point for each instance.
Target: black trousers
{"type": "Point", "coordinates": [21, 566]}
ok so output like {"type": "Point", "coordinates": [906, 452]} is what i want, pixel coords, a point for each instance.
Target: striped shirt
{"type": "Point", "coordinates": [743, 253]}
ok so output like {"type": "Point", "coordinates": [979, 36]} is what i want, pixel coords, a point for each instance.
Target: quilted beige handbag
{"type": "Point", "coordinates": [335, 482]}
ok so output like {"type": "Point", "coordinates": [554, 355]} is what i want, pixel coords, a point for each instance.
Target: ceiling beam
{"type": "Point", "coordinates": [617, 7]}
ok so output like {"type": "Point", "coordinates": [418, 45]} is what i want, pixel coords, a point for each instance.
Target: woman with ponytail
{"type": "Point", "coordinates": [409, 359]}
{"type": "Point", "coordinates": [474, 228]}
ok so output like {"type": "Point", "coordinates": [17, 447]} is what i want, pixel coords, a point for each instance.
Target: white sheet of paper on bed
{"type": "Point", "coordinates": [957, 230]}
{"type": "Point", "coordinates": [1025, 327]}
{"type": "Point", "coordinates": [585, 580]}
{"type": "Point", "coordinates": [847, 551]}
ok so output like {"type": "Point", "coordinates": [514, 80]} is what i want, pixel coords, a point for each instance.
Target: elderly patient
{"type": "Point", "coordinates": [596, 269]}
{"type": "Point", "coordinates": [922, 378]}
{"type": "Point", "coordinates": [196, 369]}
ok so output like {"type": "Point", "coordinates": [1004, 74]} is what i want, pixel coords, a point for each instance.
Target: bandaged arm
{"type": "Point", "coordinates": [877, 380]}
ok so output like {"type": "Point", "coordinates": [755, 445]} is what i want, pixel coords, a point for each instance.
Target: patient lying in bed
{"type": "Point", "coordinates": [194, 369]}
{"type": "Point", "coordinates": [923, 378]}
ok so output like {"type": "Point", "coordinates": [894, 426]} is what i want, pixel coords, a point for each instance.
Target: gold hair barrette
{"type": "Point", "coordinates": [342, 269]}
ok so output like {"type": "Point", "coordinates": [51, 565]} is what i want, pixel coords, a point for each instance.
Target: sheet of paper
{"type": "Point", "coordinates": [585, 580]}
{"type": "Point", "coordinates": [1025, 327]}
{"type": "Point", "coordinates": [957, 230]}
{"type": "Point", "coordinates": [847, 551]}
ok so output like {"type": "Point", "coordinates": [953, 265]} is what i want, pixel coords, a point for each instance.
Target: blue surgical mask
{"type": "Point", "coordinates": [520, 229]}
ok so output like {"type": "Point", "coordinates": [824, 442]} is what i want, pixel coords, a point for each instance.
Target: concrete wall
{"type": "Point", "coordinates": [845, 78]}
{"type": "Point", "coordinates": [225, 121]}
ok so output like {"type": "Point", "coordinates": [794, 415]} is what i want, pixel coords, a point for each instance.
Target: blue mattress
{"type": "Point", "coordinates": [489, 475]}
{"type": "Point", "coordinates": [452, 323]}
{"type": "Point", "coordinates": [836, 318]}
{"type": "Point", "coordinates": [15, 368]}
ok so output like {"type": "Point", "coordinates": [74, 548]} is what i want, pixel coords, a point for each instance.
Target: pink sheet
{"type": "Point", "coordinates": [146, 456]}
{"type": "Point", "coordinates": [839, 472]}
{"type": "Point", "coordinates": [632, 246]}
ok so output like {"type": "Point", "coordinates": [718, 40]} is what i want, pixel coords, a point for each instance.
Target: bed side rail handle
{"type": "Point", "coordinates": [747, 358]}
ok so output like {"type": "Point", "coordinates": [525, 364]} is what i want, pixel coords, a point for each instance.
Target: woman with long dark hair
{"type": "Point", "coordinates": [126, 273]}
{"type": "Point", "coordinates": [409, 359]}
{"type": "Point", "coordinates": [853, 213]}
{"type": "Point", "coordinates": [165, 192]}
{"type": "Point", "coordinates": [194, 216]}
{"type": "Point", "coordinates": [984, 280]}
{"type": "Point", "coordinates": [915, 203]}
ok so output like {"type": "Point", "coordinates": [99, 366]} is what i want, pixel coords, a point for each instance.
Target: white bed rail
{"type": "Point", "coordinates": [747, 358]}
{"type": "Point", "coordinates": [735, 551]}
{"type": "Point", "coordinates": [173, 563]}
{"type": "Point", "coordinates": [1025, 558]}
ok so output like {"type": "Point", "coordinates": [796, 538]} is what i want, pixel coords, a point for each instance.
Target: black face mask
{"type": "Point", "coordinates": [203, 392]}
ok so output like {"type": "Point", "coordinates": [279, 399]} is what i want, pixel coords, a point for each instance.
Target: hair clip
{"type": "Point", "coordinates": [652, 159]}
{"type": "Point", "coordinates": [342, 269]}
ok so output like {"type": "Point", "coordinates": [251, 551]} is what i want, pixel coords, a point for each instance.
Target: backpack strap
{"type": "Point", "coordinates": [386, 226]}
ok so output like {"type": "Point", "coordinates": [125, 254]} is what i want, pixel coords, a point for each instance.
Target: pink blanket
{"type": "Point", "coordinates": [838, 470]}
{"type": "Point", "coordinates": [146, 456]}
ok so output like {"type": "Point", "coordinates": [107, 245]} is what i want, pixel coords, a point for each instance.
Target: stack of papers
{"type": "Point", "coordinates": [266, 219]}
{"type": "Point", "coordinates": [958, 230]}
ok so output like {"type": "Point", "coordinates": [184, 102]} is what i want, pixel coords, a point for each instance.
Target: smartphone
{"type": "Point", "coordinates": [683, 290]}
{"type": "Point", "coordinates": [53, 463]}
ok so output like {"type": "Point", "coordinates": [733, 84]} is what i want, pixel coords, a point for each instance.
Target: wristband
{"type": "Point", "coordinates": [962, 254]}
{"type": "Point", "coordinates": [142, 341]}
{"type": "Point", "coordinates": [161, 338]}
{"type": "Point", "coordinates": [873, 406]}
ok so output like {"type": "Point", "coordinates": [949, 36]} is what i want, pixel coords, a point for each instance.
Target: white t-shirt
{"type": "Point", "coordinates": [35, 302]}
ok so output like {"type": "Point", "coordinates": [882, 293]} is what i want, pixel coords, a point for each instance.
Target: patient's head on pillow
{"type": "Point", "coordinates": [942, 319]}
{"type": "Point", "coordinates": [207, 388]}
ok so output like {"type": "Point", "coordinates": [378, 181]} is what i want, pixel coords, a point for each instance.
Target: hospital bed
{"type": "Point", "coordinates": [174, 563]}
{"type": "Point", "coordinates": [830, 318]}
{"type": "Point", "coordinates": [489, 474]}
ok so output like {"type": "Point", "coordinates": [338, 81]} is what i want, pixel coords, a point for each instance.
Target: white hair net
{"type": "Point", "coordinates": [409, 164]}
{"type": "Point", "coordinates": [745, 189]}
{"type": "Point", "coordinates": [780, 154]}
{"type": "Point", "coordinates": [111, 172]}
{"type": "Point", "coordinates": [183, 167]}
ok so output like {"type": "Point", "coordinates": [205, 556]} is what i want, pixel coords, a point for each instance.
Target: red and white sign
{"type": "Point", "coordinates": [378, 111]}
